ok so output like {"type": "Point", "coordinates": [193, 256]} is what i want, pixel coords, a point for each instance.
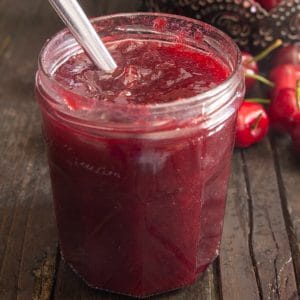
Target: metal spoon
{"type": "Point", "coordinates": [76, 20]}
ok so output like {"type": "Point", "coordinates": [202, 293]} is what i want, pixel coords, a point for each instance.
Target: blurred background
{"type": "Point", "coordinates": [112, 6]}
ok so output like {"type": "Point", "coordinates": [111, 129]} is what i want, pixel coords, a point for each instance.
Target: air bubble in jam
{"type": "Point", "coordinates": [160, 23]}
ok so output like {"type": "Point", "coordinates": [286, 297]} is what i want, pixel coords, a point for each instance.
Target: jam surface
{"type": "Point", "coordinates": [148, 72]}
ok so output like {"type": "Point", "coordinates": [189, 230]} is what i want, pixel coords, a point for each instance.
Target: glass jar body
{"type": "Point", "coordinates": [140, 208]}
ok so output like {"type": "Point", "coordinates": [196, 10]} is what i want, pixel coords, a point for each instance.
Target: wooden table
{"type": "Point", "coordinates": [260, 256]}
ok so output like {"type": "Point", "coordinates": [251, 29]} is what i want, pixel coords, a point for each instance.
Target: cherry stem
{"type": "Point", "coordinates": [267, 51]}
{"type": "Point", "coordinates": [259, 78]}
{"type": "Point", "coordinates": [255, 125]}
{"type": "Point", "coordinates": [298, 94]}
{"type": "Point", "coordinates": [258, 100]}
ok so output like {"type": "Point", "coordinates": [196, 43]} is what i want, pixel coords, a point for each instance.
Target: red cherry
{"type": "Point", "coordinates": [284, 109]}
{"type": "Point", "coordinates": [268, 4]}
{"type": "Point", "coordinates": [289, 54]}
{"type": "Point", "coordinates": [250, 66]}
{"type": "Point", "coordinates": [252, 124]}
{"type": "Point", "coordinates": [284, 76]}
{"type": "Point", "coordinates": [295, 134]}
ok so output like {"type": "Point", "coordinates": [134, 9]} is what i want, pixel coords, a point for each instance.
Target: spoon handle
{"type": "Point", "coordinates": [76, 20]}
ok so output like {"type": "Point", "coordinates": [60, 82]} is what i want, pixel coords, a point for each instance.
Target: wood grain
{"type": "Point", "coordinates": [27, 231]}
{"type": "Point", "coordinates": [237, 269]}
{"type": "Point", "coordinates": [287, 166]}
{"type": "Point", "coordinates": [269, 240]}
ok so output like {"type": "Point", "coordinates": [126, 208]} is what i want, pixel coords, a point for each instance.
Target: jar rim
{"type": "Point", "coordinates": [174, 103]}
{"type": "Point", "coordinates": [204, 108]}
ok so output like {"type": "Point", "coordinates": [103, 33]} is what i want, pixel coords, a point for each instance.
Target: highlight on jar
{"type": "Point", "coordinates": [140, 154]}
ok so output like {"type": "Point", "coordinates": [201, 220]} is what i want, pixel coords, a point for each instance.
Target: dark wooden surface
{"type": "Point", "coordinates": [260, 257]}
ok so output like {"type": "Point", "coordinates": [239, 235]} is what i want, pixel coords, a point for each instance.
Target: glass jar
{"type": "Point", "coordinates": [139, 190]}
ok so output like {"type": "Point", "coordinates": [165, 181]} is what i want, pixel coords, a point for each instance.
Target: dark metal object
{"type": "Point", "coordinates": [251, 26]}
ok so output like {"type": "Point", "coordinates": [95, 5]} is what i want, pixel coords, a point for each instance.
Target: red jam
{"type": "Point", "coordinates": [147, 73]}
{"type": "Point", "coordinates": [136, 215]}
